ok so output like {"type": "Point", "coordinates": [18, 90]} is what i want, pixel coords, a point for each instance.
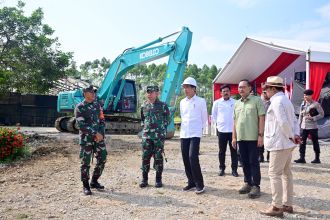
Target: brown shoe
{"type": "Point", "coordinates": [272, 211]}
{"type": "Point", "coordinates": [287, 209]}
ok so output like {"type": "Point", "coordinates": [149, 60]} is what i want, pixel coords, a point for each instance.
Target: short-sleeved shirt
{"type": "Point", "coordinates": [246, 116]}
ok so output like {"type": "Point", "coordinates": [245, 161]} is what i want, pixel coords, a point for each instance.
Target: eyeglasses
{"type": "Point", "coordinates": [149, 91]}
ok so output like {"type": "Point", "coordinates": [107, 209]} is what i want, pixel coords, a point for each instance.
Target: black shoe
{"type": "Point", "coordinates": [300, 160]}
{"type": "Point", "coordinates": [143, 184]}
{"type": "Point", "coordinates": [254, 193]}
{"type": "Point", "coordinates": [245, 189]}
{"type": "Point", "coordinates": [188, 187]}
{"type": "Point", "coordinates": [199, 190]}
{"type": "Point", "coordinates": [234, 173]}
{"type": "Point", "coordinates": [316, 161]}
{"type": "Point", "coordinates": [222, 173]}
{"type": "Point", "coordinates": [96, 185]}
{"type": "Point", "coordinates": [158, 184]}
{"type": "Point", "coordinates": [86, 189]}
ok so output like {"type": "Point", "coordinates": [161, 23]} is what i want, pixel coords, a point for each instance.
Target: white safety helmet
{"type": "Point", "coordinates": [189, 81]}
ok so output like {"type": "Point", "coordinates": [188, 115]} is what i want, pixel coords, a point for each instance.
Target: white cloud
{"type": "Point", "coordinates": [324, 11]}
{"type": "Point", "coordinates": [244, 3]}
{"type": "Point", "coordinates": [304, 31]}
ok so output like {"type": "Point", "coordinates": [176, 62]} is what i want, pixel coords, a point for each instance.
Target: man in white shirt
{"type": "Point", "coordinates": [223, 116]}
{"type": "Point", "coordinates": [280, 138]}
{"type": "Point", "coordinates": [193, 113]}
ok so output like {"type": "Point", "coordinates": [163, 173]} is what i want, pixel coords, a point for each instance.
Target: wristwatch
{"type": "Point", "coordinates": [260, 134]}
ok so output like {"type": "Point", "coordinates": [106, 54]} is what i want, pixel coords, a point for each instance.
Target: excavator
{"type": "Point", "coordinates": [118, 95]}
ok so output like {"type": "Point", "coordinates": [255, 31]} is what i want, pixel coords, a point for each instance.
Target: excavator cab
{"type": "Point", "coordinates": [127, 102]}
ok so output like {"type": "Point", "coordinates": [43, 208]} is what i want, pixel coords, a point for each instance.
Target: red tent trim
{"type": "Point", "coordinates": [317, 73]}
{"type": "Point", "coordinates": [280, 64]}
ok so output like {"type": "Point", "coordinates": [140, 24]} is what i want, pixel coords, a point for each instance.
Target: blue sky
{"type": "Point", "coordinates": [104, 28]}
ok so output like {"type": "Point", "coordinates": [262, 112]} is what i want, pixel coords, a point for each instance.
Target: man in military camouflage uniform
{"type": "Point", "coordinates": [90, 120]}
{"type": "Point", "coordinates": [155, 117]}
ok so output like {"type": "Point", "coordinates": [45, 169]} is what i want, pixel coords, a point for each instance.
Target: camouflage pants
{"type": "Point", "coordinates": [86, 153]}
{"type": "Point", "coordinates": [153, 148]}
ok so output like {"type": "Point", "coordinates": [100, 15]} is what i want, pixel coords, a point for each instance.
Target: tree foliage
{"type": "Point", "coordinates": [30, 58]}
{"type": "Point", "coordinates": [94, 71]}
{"type": "Point", "coordinates": [154, 74]}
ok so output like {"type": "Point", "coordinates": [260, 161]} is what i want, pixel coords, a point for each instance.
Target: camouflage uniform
{"type": "Point", "coordinates": [89, 123]}
{"type": "Point", "coordinates": [155, 117]}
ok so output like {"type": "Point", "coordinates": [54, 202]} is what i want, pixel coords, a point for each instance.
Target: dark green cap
{"type": "Point", "coordinates": [152, 89]}
{"type": "Point", "coordinates": [89, 89]}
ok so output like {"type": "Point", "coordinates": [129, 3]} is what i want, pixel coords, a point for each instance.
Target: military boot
{"type": "Point", "coordinates": [95, 184]}
{"type": "Point", "coordinates": [86, 188]}
{"type": "Point", "coordinates": [144, 182]}
{"type": "Point", "coordinates": [158, 183]}
{"type": "Point", "coordinates": [317, 159]}
{"type": "Point", "coordinates": [300, 160]}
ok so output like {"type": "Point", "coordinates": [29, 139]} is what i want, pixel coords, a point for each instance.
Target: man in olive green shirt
{"type": "Point", "coordinates": [248, 131]}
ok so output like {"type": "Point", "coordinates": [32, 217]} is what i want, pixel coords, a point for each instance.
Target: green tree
{"type": "Point", "coordinates": [30, 59]}
{"type": "Point", "coordinates": [94, 71]}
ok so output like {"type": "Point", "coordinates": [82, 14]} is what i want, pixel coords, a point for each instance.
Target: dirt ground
{"type": "Point", "coordinates": [47, 185]}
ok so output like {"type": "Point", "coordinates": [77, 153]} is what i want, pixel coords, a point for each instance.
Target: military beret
{"type": "Point", "coordinates": [308, 92]}
{"type": "Point", "coordinates": [89, 89]}
{"type": "Point", "coordinates": [152, 89]}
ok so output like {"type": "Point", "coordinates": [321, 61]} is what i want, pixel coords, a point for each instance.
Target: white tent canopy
{"type": "Point", "coordinates": [257, 56]}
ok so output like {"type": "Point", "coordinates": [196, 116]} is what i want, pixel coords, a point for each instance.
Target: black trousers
{"type": "Point", "coordinates": [224, 139]}
{"type": "Point", "coordinates": [251, 166]}
{"type": "Point", "coordinates": [315, 139]}
{"type": "Point", "coordinates": [190, 152]}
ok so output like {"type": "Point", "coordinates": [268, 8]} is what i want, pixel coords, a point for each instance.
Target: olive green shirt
{"type": "Point", "coordinates": [246, 116]}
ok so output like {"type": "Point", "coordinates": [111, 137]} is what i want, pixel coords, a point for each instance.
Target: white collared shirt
{"type": "Point", "coordinates": [281, 124]}
{"type": "Point", "coordinates": [193, 117]}
{"type": "Point", "coordinates": [223, 114]}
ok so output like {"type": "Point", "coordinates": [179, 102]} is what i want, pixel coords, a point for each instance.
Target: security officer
{"type": "Point", "coordinates": [310, 112]}
{"type": "Point", "coordinates": [155, 116]}
{"type": "Point", "coordinates": [91, 123]}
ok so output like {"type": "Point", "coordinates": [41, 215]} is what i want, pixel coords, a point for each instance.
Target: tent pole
{"type": "Point", "coordinates": [308, 54]}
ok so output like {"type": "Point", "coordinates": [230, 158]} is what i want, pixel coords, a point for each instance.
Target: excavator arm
{"type": "Point", "coordinates": [178, 56]}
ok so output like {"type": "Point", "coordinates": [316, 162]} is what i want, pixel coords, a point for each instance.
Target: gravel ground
{"type": "Point", "coordinates": [47, 185]}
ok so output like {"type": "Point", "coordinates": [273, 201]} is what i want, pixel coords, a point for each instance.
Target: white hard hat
{"type": "Point", "coordinates": [189, 81]}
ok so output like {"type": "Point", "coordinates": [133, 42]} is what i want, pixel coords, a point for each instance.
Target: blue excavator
{"type": "Point", "coordinates": [118, 95]}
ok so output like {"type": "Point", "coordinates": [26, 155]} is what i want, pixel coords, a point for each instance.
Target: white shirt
{"type": "Point", "coordinates": [223, 114]}
{"type": "Point", "coordinates": [193, 117]}
{"type": "Point", "coordinates": [281, 124]}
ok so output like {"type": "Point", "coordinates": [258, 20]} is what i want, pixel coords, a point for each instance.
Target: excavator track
{"type": "Point", "coordinates": [122, 125]}
{"type": "Point", "coordinates": [113, 125]}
